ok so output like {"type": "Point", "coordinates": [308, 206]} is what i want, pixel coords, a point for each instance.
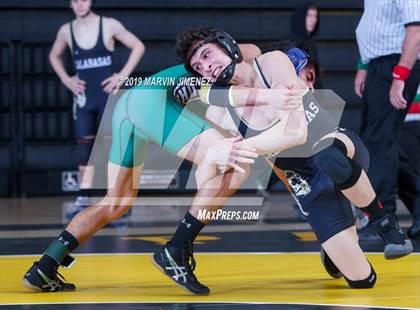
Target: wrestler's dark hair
{"type": "Point", "coordinates": [92, 1]}
{"type": "Point", "coordinates": [286, 45]}
{"type": "Point", "coordinates": [188, 37]}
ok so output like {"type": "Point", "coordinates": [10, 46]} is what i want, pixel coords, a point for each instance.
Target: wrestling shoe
{"type": "Point", "coordinates": [36, 280]}
{"type": "Point", "coordinates": [414, 231]}
{"type": "Point", "coordinates": [178, 264]}
{"type": "Point", "coordinates": [397, 244]}
{"type": "Point", "coordinates": [72, 209]}
{"type": "Point", "coordinates": [329, 266]}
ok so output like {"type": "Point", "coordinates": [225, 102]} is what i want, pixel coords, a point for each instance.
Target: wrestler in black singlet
{"type": "Point", "coordinates": [323, 204]}
{"type": "Point", "coordinates": [93, 66]}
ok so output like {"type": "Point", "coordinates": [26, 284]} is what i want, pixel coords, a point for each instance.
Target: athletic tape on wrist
{"type": "Point", "coordinates": [204, 94]}
{"type": "Point", "coordinates": [218, 95]}
{"type": "Point", "coordinates": [400, 73]}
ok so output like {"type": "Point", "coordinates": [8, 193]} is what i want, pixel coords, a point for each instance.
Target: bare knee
{"type": "Point", "coordinates": [348, 257]}
{"type": "Point", "coordinates": [116, 206]}
{"type": "Point", "coordinates": [116, 212]}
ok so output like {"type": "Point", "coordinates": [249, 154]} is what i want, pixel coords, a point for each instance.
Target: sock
{"type": "Point", "coordinates": [187, 231]}
{"type": "Point", "coordinates": [375, 210]}
{"type": "Point", "coordinates": [55, 253]}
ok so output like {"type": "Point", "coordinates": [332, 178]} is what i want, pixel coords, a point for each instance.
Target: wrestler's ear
{"type": "Point", "coordinates": [309, 76]}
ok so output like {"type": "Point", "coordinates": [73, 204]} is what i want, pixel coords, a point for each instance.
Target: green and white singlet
{"type": "Point", "coordinates": [150, 113]}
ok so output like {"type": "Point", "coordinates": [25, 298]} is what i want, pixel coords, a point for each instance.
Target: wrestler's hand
{"type": "Point", "coordinates": [228, 153]}
{"type": "Point", "coordinates": [396, 94]}
{"type": "Point", "coordinates": [183, 93]}
{"type": "Point", "coordinates": [74, 84]}
{"type": "Point", "coordinates": [111, 84]}
{"type": "Point", "coordinates": [286, 99]}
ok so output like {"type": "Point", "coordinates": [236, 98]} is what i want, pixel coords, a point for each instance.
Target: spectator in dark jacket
{"type": "Point", "coordinates": [305, 24]}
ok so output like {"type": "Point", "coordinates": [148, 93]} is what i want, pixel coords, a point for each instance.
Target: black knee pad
{"type": "Point", "coordinates": [330, 141]}
{"type": "Point", "coordinates": [369, 282]}
{"type": "Point", "coordinates": [84, 147]}
{"type": "Point", "coordinates": [354, 177]}
{"type": "Point", "coordinates": [361, 153]}
{"type": "Point", "coordinates": [334, 163]}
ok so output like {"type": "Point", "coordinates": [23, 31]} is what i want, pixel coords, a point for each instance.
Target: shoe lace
{"type": "Point", "coordinates": [60, 278]}
{"type": "Point", "coordinates": [392, 231]}
{"type": "Point", "coordinates": [53, 284]}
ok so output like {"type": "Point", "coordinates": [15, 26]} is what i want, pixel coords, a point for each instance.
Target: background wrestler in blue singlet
{"type": "Point", "coordinates": [91, 39]}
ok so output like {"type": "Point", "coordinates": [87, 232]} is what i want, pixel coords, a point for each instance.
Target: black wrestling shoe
{"type": "Point", "coordinates": [368, 233]}
{"type": "Point", "coordinates": [329, 266]}
{"type": "Point", "coordinates": [396, 241]}
{"type": "Point", "coordinates": [174, 262]}
{"type": "Point", "coordinates": [414, 231]}
{"type": "Point", "coordinates": [36, 280]}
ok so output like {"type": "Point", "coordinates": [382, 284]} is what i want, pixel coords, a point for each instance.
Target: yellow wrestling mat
{"type": "Point", "coordinates": [295, 278]}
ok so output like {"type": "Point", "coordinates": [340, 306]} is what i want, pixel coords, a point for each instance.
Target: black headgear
{"type": "Point", "coordinates": [226, 42]}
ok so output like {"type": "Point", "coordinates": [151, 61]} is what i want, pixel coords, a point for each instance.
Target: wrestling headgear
{"type": "Point", "coordinates": [230, 46]}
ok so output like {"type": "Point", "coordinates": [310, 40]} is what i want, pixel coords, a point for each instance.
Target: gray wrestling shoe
{"type": "Point", "coordinates": [397, 244]}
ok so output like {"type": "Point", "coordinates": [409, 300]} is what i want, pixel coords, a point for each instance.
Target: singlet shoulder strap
{"type": "Point", "coordinates": [240, 124]}
{"type": "Point", "coordinates": [100, 36]}
{"type": "Point", "coordinates": [73, 40]}
{"type": "Point", "coordinates": [100, 26]}
{"type": "Point", "coordinates": [260, 74]}
{"type": "Point", "coordinates": [243, 128]}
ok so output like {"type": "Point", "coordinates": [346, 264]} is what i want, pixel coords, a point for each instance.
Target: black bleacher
{"type": "Point", "coordinates": [36, 138]}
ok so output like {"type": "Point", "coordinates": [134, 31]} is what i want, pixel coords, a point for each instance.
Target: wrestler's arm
{"type": "Point", "coordinates": [249, 51]}
{"type": "Point", "coordinates": [292, 129]}
{"type": "Point", "coordinates": [280, 72]}
{"type": "Point", "coordinates": [237, 96]}
{"type": "Point", "coordinates": [129, 40]}
{"type": "Point", "coordinates": [281, 136]}
{"type": "Point", "coordinates": [61, 43]}
{"type": "Point", "coordinates": [59, 46]}
{"type": "Point", "coordinates": [227, 152]}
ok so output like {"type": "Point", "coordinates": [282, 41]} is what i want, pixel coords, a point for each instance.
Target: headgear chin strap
{"type": "Point", "coordinates": [230, 46]}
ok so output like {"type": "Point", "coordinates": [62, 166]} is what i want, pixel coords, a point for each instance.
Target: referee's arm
{"type": "Point", "coordinates": [411, 48]}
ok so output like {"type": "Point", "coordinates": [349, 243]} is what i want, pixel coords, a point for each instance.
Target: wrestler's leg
{"type": "Point", "coordinates": [344, 251]}
{"type": "Point", "coordinates": [345, 160]}
{"type": "Point", "coordinates": [119, 198]}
